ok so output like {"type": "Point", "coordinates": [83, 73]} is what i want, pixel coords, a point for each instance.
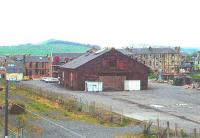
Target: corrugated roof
{"type": "Point", "coordinates": [66, 55]}
{"type": "Point", "coordinates": [30, 58]}
{"type": "Point", "coordinates": [84, 59]}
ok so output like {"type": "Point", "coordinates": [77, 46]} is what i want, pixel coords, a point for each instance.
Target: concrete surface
{"type": "Point", "coordinates": [164, 101]}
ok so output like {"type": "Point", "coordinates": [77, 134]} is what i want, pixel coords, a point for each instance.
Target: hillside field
{"type": "Point", "coordinates": [45, 48]}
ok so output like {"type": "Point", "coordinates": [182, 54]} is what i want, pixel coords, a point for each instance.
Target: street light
{"type": "Point", "coordinates": [6, 110]}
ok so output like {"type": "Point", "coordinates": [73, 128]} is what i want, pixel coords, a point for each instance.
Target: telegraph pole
{"type": "Point", "coordinates": [6, 110]}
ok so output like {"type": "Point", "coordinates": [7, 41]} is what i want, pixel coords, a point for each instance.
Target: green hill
{"type": "Point", "coordinates": [45, 48]}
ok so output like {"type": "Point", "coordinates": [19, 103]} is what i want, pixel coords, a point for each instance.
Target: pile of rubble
{"type": "Point", "coordinates": [194, 85]}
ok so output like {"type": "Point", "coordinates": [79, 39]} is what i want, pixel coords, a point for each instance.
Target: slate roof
{"type": "Point", "coordinates": [198, 57]}
{"type": "Point", "coordinates": [66, 55]}
{"type": "Point", "coordinates": [19, 58]}
{"type": "Point", "coordinates": [30, 58]}
{"type": "Point", "coordinates": [125, 52]}
{"type": "Point", "coordinates": [84, 59]}
{"type": "Point", "coordinates": [2, 68]}
{"type": "Point", "coordinates": [186, 65]}
{"type": "Point", "coordinates": [15, 68]}
{"type": "Point", "coordinates": [150, 50]}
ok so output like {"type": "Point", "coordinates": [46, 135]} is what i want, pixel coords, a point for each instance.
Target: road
{"type": "Point", "coordinates": [164, 101]}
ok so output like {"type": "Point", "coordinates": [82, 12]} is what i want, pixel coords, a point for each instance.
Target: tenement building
{"type": "Point", "coordinates": [165, 59]}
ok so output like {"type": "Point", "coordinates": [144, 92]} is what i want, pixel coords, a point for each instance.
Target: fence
{"type": "Point", "coordinates": [73, 104]}
{"type": "Point", "coordinates": [155, 129]}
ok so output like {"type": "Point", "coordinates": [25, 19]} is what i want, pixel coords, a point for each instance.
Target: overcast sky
{"type": "Point", "coordinates": [114, 23]}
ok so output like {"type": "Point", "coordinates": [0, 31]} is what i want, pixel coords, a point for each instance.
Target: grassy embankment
{"type": "Point", "coordinates": [69, 110]}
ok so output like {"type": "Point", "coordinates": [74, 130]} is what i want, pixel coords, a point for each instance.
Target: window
{"type": "Point", "coordinates": [30, 73]}
{"type": "Point", "coordinates": [36, 65]}
{"type": "Point", "coordinates": [113, 63]}
{"type": "Point", "coordinates": [30, 64]}
{"type": "Point", "coordinates": [156, 63]}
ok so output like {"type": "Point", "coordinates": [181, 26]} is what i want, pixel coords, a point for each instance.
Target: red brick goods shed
{"type": "Point", "coordinates": [109, 66]}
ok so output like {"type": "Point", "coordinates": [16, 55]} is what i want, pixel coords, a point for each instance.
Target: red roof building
{"type": "Point", "coordinates": [109, 66]}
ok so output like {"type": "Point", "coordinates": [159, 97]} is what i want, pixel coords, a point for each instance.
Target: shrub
{"type": "Point", "coordinates": [17, 109]}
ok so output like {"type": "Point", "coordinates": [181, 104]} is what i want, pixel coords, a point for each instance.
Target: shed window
{"type": "Point", "coordinates": [113, 63]}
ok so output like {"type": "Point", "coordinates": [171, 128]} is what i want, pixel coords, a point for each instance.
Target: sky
{"type": "Point", "coordinates": [112, 23]}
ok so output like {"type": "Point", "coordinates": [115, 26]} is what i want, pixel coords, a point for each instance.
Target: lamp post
{"type": "Point", "coordinates": [6, 110]}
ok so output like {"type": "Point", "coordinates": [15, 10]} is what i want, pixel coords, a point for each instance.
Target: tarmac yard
{"type": "Point", "coordinates": [161, 101]}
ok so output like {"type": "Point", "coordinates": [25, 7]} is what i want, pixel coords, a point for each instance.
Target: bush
{"type": "Point", "coordinates": [17, 109]}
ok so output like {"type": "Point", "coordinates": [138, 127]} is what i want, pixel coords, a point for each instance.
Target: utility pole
{"type": "Point", "coordinates": [6, 110]}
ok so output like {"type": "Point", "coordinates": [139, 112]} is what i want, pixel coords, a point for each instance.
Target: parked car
{"type": "Point", "coordinates": [50, 79]}
{"type": "Point", "coordinates": [44, 78]}
{"type": "Point", "coordinates": [184, 80]}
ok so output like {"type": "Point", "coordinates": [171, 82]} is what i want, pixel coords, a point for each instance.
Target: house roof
{"type": "Point", "coordinates": [30, 58]}
{"type": "Point", "coordinates": [125, 52]}
{"type": "Point", "coordinates": [66, 55]}
{"type": "Point", "coordinates": [2, 68]}
{"type": "Point", "coordinates": [14, 68]}
{"type": "Point", "coordinates": [186, 65]}
{"type": "Point", "coordinates": [19, 57]}
{"type": "Point", "coordinates": [84, 59]}
{"type": "Point", "coordinates": [198, 57]}
{"type": "Point", "coordinates": [150, 50]}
